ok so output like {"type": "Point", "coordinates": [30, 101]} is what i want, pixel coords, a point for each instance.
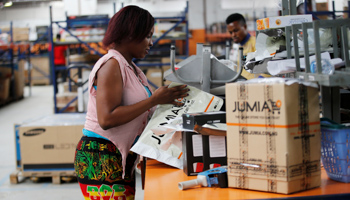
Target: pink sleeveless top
{"type": "Point", "coordinates": [124, 135]}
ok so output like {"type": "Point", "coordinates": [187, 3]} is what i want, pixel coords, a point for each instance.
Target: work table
{"type": "Point", "coordinates": [161, 182]}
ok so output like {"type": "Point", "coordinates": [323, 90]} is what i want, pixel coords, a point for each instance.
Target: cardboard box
{"type": "Point", "coordinates": [192, 148]}
{"type": "Point", "coordinates": [40, 66]}
{"type": "Point", "coordinates": [4, 88]}
{"type": "Point", "coordinates": [62, 100]}
{"type": "Point", "coordinates": [273, 136]}
{"type": "Point", "coordinates": [166, 66]}
{"type": "Point", "coordinates": [282, 21]}
{"type": "Point", "coordinates": [84, 58]}
{"type": "Point", "coordinates": [155, 76]}
{"type": "Point", "coordinates": [18, 34]}
{"type": "Point", "coordinates": [73, 87]}
{"type": "Point", "coordinates": [201, 118]}
{"type": "Point", "coordinates": [50, 141]}
{"type": "Point", "coordinates": [346, 14]}
{"type": "Point", "coordinates": [19, 79]}
{"type": "Point", "coordinates": [65, 97]}
{"type": "Point", "coordinates": [71, 108]}
{"type": "Point", "coordinates": [40, 72]}
{"type": "Point", "coordinates": [18, 75]}
{"type": "Point", "coordinates": [322, 7]}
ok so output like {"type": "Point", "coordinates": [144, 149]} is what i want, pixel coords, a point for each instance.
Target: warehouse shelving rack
{"type": "Point", "coordinates": [330, 84]}
{"type": "Point", "coordinates": [181, 19]}
{"type": "Point", "coordinates": [33, 54]}
{"type": "Point", "coordinates": [332, 13]}
{"type": "Point", "coordinates": [176, 21]}
{"type": "Point", "coordinates": [100, 20]}
{"type": "Point", "coordinates": [10, 59]}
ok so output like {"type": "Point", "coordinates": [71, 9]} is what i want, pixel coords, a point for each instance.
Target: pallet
{"type": "Point", "coordinates": [57, 176]}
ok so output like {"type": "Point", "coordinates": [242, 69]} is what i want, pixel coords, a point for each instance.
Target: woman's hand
{"type": "Point", "coordinates": [166, 95]}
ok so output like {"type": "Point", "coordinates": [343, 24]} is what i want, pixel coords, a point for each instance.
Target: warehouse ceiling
{"type": "Point", "coordinates": [22, 3]}
{"type": "Point", "coordinates": [26, 1]}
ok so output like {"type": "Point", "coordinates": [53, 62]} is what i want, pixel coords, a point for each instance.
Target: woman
{"type": "Point", "coordinates": [120, 103]}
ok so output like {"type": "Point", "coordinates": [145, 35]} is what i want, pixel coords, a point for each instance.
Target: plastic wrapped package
{"type": "Point", "coordinates": [164, 144]}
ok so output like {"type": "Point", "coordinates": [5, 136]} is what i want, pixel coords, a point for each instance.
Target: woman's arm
{"type": "Point", "coordinates": [109, 95]}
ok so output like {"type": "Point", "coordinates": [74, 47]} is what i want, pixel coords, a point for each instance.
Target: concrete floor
{"type": "Point", "coordinates": [39, 103]}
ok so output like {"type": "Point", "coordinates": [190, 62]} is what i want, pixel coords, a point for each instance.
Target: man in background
{"type": "Point", "coordinates": [237, 27]}
{"type": "Point", "coordinates": [60, 52]}
{"type": "Point", "coordinates": [60, 61]}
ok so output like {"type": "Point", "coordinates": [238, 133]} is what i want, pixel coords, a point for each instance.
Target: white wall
{"type": "Point", "coordinates": [31, 16]}
{"type": "Point", "coordinates": [195, 14]}
{"type": "Point", "coordinates": [80, 7]}
{"type": "Point", "coordinates": [107, 8]}
{"type": "Point", "coordinates": [217, 11]}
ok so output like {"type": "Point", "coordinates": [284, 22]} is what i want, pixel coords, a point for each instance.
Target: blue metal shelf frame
{"type": "Point", "coordinates": [179, 20]}
{"type": "Point", "coordinates": [333, 12]}
{"type": "Point", "coordinates": [79, 41]}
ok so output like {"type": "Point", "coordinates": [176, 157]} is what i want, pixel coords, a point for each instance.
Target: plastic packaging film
{"type": "Point", "coordinates": [165, 145]}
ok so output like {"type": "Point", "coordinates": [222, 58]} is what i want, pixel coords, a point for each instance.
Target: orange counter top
{"type": "Point", "coordinates": [161, 182]}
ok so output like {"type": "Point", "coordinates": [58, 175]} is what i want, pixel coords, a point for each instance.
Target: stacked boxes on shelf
{"type": "Point", "coordinates": [5, 74]}
{"type": "Point", "coordinates": [4, 88]}
{"type": "Point", "coordinates": [18, 34]}
{"type": "Point", "coordinates": [85, 34]}
{"type": "Point", "coordinates": [40, 71]}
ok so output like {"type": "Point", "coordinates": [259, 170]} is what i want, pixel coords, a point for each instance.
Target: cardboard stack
{"type": "Point", "coordinates": [40, 71]}
{"type": "Point", "coordinates": [322, 7]}
{"type": "Point", "coordinates": [49, 142]}
{"type": "Point", "coordinates": [62, 100]}
{"type": "Point", "coordinates": [4, 88]}
{"type": "Point", "coordinates": [18, 83]}
{"type": "Point", "coordinates": [273, 135]}
{"type": "Point", "coordinates": [156, 74]}
{"type": "Point", "coordinates": [18, 34]}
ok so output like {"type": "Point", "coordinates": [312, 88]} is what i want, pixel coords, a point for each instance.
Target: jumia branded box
{"type": "Point", "coordinates": [49, 142]}
{"type": "Point", "coordinates": [273, 135]}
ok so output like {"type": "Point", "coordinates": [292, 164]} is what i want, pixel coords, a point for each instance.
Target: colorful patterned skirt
{"type": "Point", "coordinates": [98, 165]}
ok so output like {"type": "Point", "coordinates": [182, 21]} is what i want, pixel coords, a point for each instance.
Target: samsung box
{"type": "Point", "coordinates": [201, 118]}
{"type": "Point", "coordinates": [192, 148]}
{"type": "Point", "coordinates": [273, 135]}
{"type": "Point", "coordinates": [49, 142]}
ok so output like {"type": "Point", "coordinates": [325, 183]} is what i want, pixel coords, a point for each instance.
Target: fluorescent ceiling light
{"type": "Point", "coordinates": [8, 4]}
